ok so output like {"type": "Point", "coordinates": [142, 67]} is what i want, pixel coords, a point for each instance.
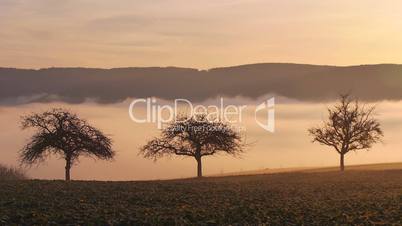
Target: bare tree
{"type": "Point", "coordinates": [195, 137]}
{"type": "Point", "coordinates": [61, 132]}
{"type": "Point", "coordinates": [350, 127]}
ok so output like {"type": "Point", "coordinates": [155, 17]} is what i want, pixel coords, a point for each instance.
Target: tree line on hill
{"type": "Point", "coordinates": [295, 81]}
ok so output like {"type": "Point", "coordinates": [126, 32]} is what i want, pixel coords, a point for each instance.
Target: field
{"type": "Point", "coordinates": [363, 197]}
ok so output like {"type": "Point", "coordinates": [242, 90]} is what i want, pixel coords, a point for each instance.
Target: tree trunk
{"type": "Point", "coordinates": [342, 162]}
{"type": "Point", "coordinates": [68, 167]}
{"type": "Point", "coordinates": [199, 167]}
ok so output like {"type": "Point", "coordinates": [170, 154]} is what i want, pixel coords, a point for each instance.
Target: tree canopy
{"type": "Point", "coordinates": [196, 137]}
{"type": "Point", "coordinates": [63, 133]}
{"type": "Point", "coordinates": [351, 126]}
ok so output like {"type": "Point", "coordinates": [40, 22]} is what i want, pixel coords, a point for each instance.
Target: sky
{"type": "Point", "coordinates": [198, 34]}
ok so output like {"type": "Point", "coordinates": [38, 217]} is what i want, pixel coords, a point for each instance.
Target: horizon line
{"type": "Point", "coordinates": [199, 69]}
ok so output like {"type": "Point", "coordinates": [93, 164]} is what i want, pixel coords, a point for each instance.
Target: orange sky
{"type": "Point", "coordinates": [201, 34]}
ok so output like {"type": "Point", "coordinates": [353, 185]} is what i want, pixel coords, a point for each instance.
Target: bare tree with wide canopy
{"type": "Point", "coordinates": [351, 126]}
{"type": "Point", "coordinates": [195, 137]}
{"type": "Point", "coordinates": [63, 133]}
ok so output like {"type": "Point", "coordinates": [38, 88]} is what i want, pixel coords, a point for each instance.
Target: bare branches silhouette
{"type": "Point", "coordinates": [350, 127]}
{"type": "Point", "coordinates": [195, 137]}
{"type": "Point", "coordinates": [61, 132]}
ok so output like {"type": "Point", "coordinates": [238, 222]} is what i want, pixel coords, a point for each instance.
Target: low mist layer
{"type": "Point", "coordinates": [288, 146]}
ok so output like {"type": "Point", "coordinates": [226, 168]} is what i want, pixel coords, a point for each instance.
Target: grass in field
{"type": "Point", "coordinates": [376, 166]}
{"type": "Point", "coordinates": [324, 198]}
{"type": "Point", "coordinates": [11, 173]}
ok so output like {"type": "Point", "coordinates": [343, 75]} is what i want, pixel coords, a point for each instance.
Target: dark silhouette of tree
{"type": "Point", "coordinates": [61, 132]}
{"type": "Point", "coordinates": [195, 137]}
{"type": "Point", "coordinates": [350, 127]}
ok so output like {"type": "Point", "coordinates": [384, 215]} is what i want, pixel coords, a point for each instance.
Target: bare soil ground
{"type": "Point", "coordinates": [367, 195]}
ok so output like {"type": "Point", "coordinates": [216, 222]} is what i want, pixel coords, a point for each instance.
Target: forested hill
{"type": "Point", "coordinates": [296, 81]}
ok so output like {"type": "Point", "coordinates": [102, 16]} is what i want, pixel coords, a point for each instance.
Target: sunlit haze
{"type": "Point", "coordinates": [288, 146]}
